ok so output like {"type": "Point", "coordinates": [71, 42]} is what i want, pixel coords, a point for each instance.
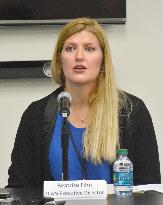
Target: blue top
{"type": "Point", "coordinates": [94, 171]}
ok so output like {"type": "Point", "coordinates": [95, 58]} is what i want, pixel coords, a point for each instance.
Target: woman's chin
{"type": "Point", "coordinates": [82, 82]}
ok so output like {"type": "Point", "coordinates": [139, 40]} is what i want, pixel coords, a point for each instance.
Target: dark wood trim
{"type": "Point", "coordinates": [22, 69]}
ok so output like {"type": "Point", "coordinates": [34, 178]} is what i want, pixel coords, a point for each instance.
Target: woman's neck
{"type": "Point", "coordinates": [80, 95]}
{"type": "Point", "coordinates": [79, 105]}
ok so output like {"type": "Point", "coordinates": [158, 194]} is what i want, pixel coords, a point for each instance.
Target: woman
{"type": "Point", "coordinates": [103, 118]}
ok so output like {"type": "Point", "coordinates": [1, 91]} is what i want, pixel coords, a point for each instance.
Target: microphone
{"type": "Point", "coordinates": [64, 102]}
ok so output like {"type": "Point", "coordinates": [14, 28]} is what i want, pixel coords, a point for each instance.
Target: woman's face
{"type": "Point", "coordinates": [81, 58]}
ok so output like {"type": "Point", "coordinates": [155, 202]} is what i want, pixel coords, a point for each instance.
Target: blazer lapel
{"type": "Point", "coordinates": [49, 124]}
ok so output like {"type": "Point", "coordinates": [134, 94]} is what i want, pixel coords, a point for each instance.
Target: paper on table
{"type": "Point", "coordinates": [140, 188]}
{"type": "Point", "coordinates": [110, 189]}
{"type": "Point", "coordinates": [154, 187]}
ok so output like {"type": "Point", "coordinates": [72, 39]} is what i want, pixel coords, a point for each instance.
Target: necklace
{"type": "Point", "coordinates": [79, 117]}
{"type": "Point", "coordinates": [83, 121]}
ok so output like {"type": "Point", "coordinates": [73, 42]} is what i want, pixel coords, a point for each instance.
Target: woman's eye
{"type": "Point", "coordinates": [90, 48]}
{"type": "Point", "coordinates": [69, 48]}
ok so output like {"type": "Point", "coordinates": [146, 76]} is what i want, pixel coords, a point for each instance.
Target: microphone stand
{"type": "Point", "coordinates": [64, 101]}
{"type": "Point", "coordinates": [65, 145]}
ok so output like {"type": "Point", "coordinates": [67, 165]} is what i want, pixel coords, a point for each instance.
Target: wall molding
{"type": "Point", "coordinates": [25, 69]}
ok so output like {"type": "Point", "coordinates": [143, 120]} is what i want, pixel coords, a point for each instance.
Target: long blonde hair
{"type": "Point", "coordinates": [101, 139]}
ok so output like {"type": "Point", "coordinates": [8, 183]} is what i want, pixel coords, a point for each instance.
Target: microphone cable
{"type": "Point", "coordinates": [82, 161]}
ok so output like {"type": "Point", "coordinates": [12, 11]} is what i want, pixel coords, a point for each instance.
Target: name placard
{"type": "Point", "coordinates": [80, 189]}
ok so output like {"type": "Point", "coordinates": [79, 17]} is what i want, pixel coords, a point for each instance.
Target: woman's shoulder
{"type": "Point", "coordinates": [38, 107]}
{"type": "Point", "coordinates": [132, 104]}
{"type": "Point", "coordinates": [130, 99]}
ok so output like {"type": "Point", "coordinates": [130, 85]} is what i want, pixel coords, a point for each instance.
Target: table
{"type": "Point", "coordinates": [33, 196]}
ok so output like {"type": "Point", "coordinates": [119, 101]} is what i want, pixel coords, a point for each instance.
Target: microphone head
{"type": "Point", "coordinates": [64, 102]}
{"type": "Point", "coordinates": [64, 95]}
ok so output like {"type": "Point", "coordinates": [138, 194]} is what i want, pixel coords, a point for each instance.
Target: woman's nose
{"type": "Point", "coordinates": [79, 55]}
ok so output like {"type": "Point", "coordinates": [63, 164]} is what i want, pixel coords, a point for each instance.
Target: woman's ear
{"type": "Point", "coordinates": [59, 62]}
{"type": "Point", "coordinates": [102, 68]}
{"type": "Point", "coordinates": [58, 56]}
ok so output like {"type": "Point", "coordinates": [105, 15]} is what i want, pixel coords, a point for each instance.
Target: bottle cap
{"type": "Point", "coordinates": [122, 152]}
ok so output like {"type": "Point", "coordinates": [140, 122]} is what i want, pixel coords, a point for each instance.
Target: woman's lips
{"type": "Point", "coordinates": [79, 67]}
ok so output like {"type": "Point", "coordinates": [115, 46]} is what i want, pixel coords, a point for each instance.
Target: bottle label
{"type": "Point", "coordinates": [123, 178]}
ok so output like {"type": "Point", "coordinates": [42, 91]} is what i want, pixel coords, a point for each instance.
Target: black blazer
{"type": "Point", "coordinates": [30, 165]}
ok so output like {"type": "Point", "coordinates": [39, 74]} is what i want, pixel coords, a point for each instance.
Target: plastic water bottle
{"type": "Point", "coordinates": [123, 174]}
